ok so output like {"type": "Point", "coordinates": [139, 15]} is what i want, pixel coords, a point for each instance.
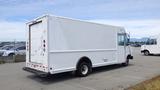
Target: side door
{"type": "Point", "coordinates": [38, 41]}
{"type": "Point", "coordinates": [121, 47]}
{"type": "Point", "coordinates": [154, 47]}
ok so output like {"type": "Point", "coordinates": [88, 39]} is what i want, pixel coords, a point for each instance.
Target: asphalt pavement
{"type": "Point", "coordinates": [114, 77]}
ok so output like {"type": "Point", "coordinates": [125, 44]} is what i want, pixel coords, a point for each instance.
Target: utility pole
{"type": "Point", "coordinates": [14, 56]}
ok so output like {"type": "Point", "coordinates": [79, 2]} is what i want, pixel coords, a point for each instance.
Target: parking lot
{"type": "Point", "coordinates": [114, 77]}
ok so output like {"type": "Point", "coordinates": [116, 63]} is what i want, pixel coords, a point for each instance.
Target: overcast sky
{"type": "Point", "coordinates": [140, 17]}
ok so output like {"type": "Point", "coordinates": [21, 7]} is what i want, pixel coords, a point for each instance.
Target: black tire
{"type": "Point", "coordinates": [126, 63]}
{"type": "Point", "coordinates": [83, 69]}
{"type": "Point", "coordinates": [11, 54]}
{"type": "Point", "coordinates": [146, 53]}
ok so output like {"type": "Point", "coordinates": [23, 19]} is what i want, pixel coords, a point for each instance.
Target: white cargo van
{"type": "Point", "coordinates": [57, 44]}
{"type": "Point", "coordinates": [152, 46]}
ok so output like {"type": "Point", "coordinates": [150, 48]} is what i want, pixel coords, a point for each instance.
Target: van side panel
{"type": "Point", "coordinates": [69, 40]}
{"type": "Point", "coordinates": [67, 34]}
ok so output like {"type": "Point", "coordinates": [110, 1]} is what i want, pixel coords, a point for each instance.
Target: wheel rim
{"type": "Point", "coordinates": [146, 53]}
{"type": "Point", "coordinates": [84, 69]}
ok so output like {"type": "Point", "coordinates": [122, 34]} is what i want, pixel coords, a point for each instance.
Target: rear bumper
{"type": "Point", "coordinates": [37, 72]}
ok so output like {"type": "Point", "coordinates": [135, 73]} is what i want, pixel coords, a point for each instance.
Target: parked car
{"type": "Point", "coordinates": [152, 46]}
{"type": "Point", "coordinates": [136, 45]}
{"type": "Point", "coordinates": [6, 47]}
{"type": "Point", "coordinates": [12, 50]}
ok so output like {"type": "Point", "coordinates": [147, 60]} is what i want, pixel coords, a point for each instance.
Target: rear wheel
{"type": "Point", "coordinates": [83, 69]}
{"type": "Point", "coordinates": [146, 53]}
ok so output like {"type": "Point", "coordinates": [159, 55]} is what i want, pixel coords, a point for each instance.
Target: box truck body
{"type": "Point", "coordinates": [57, 44]}
{"type": "Point", "coordinates": [152, 46]}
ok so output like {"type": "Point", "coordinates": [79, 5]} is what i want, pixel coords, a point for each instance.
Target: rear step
{"type": "Point", "coordinates": [37, 72]}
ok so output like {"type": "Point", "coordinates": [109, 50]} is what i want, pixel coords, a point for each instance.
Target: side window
{"type": "Point", "coordinates": [151, 42]}
{"type": "Point", "coordinates": [147, 42]}
{"type": "Point", "coordinates": [121, 39]}
{"type": "Point", "coordinates": [154, 42]}
{"type": "Point", "coordinates": [21, 48]}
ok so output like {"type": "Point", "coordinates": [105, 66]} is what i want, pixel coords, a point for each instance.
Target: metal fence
{"type": "Point", "coordinates": [12, 59]}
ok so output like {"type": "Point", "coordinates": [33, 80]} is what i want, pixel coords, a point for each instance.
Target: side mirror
{"type": "Point", "coordinates": [128, 42]}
